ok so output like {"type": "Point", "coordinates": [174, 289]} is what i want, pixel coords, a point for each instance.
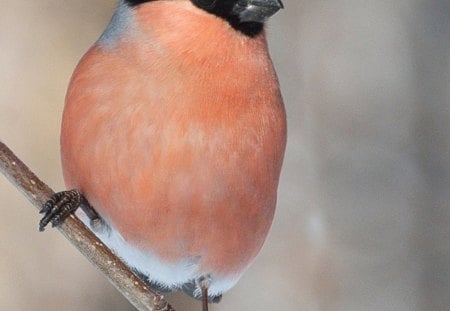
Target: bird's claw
{"type": "Point", "coordinates": [192, 289]}
{"type": "Point", "coordinates": [59, 207]}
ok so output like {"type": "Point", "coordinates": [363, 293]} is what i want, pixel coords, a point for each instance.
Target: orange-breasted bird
{"type": "Point", "coordinates": [174, 130]}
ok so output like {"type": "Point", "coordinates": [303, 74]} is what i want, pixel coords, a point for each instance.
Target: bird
{"type": "Point", "coordinates": [174, 131]}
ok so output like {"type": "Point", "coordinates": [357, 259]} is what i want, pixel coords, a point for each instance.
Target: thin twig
{"type": "Point", "coordinates": [81, 237]}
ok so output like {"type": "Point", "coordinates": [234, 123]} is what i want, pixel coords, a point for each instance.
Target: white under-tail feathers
{"type": "Point", "coordinates": [167, 275]}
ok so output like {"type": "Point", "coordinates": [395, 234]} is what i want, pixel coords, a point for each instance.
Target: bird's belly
{"type": "Point", "coordinates": [186, 181]}
{"type": "Point", "coordinates": [185, 193]}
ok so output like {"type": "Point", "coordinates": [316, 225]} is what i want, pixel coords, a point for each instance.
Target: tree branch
{"type": "Point", "coordinates": [81, 237]}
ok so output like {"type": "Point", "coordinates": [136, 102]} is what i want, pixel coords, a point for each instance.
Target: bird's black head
{"type": "Point", "coordinates": [246, 16]}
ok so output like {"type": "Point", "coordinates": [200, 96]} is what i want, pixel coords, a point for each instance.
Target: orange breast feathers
{"type": "Point", "coordinates": [176, 137]}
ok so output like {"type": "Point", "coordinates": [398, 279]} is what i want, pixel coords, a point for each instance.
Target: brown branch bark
{"type": "Point", "coordinates": [81, 237]}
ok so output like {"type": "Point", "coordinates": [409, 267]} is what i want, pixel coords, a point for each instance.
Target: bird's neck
{"type": "Point", "coordinates": [182, 40]}
{"type": "Point", "coordinates": [168, 25]}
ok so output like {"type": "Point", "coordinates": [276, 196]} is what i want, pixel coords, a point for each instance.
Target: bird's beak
{"type": "Point", "coordinates": [256, 10]}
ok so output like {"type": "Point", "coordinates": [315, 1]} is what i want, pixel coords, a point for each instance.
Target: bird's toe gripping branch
{"type": "Point", "coordinates": [198, 289]}
{"type": "Point", "coordinates": [59, 207]}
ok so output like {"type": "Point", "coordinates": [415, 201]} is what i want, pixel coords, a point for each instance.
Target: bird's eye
{"type": "Point", "coordinates": [205, 4]}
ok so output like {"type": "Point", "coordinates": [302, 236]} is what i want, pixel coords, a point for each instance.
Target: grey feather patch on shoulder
{"type": "Point", "coordinates": [121, 22]}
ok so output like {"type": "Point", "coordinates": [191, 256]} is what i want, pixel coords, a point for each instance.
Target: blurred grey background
{"type": "Point", "coordinates": [363, 220]}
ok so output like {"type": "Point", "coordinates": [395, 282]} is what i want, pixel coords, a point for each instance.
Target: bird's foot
{"type": "Point", "coordinates": [195, 289]}
{"type": "Point", "coordinates": [59, 207]}
{"type": "Point", "coordinates": [62, 204]}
